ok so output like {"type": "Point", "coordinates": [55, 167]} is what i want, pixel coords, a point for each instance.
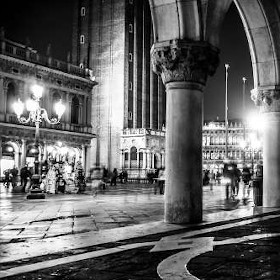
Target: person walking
{"type": "Point", "coordinates": [7, 178]}
{"type": "Point", "coordinates": [13, 174]}
{"type": "Point", "coordinates": [114, 177]}
{"type": "Point", "coordinates": [24, 174]}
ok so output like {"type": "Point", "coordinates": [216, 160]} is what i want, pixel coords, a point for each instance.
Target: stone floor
{"type": "Point", "coordinates": [120, 234]}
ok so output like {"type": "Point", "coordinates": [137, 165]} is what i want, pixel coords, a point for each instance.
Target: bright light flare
{"type": "Point", "coordinates": [18, 107]}
{"type": "Point", "coordinates": [59, 108]}
{"type": "Point", "coordinates": [37, 91]}
{"type": "Point", "coordinates": [32, 105]}
{"type": "Point", "coordinates": [255, 121]}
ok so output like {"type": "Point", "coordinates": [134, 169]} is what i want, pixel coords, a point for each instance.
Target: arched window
{"type": "Point", "coordinates": [11, 98]}
{"type": "Point", "coordinates": [75, 110]}
{"type": "Point", "coordinates": [133, 157]}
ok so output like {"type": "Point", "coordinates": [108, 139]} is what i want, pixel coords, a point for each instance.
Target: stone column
{"type": "Point", "coordinates": [138, 159]}
{"type": "Point", "coordinates": [122, 160]}
{"type": "Point", "coordinates": [153, 160]}
{"type": "Point", "coordinates": [45, 155]}
{"type": "Point", "coordinates": [269, 100]}
{"type": "Point", "coordinates": [144, 159]}
{"type": "Point", "coordinates": [23, 152]}
{"type": "Point", "coordinates": [1, 171]}
{"type": "Point", "coordinates": [184, 67]}
{"type": "Point", "coordinates": [148, 155]}
{"type": "Point", "coordinates": [128, 160]}
{"type": "Point", "coordinates": [83, 157]}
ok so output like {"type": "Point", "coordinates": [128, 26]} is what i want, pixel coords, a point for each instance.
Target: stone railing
{"type": "Point", "coordinates": [143, 131]}
{"type": "Point", "coordinates": [26, 53]}
{"type": "Point", "coordinates": [78, 128]}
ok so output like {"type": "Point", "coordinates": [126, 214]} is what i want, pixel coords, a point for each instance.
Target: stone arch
{"type": "Point", "coordinates": [185, 52]}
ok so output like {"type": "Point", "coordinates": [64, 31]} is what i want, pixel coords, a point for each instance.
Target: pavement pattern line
{"type": "Point", "coordinates": [36, 247]}
{"type": "Point", "coordinates": [70, 259]}
{"type": "Point", "coordinates": [175, 266]}
{"type": "Point", "coordinates": [196, 246]}
{"type": "Point", "coordinates": [178, 241]}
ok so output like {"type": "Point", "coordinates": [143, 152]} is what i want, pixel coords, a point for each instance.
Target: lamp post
{"type": "Point", "coordinates": [226, 110]}
{"type": "Point", "coordinates": [37, 115]}
{"type": "Point", "coordinates": [244, 108]}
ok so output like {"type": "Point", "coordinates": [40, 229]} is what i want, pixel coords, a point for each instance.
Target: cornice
{"type": "Point", "coordinates": [49, 75]}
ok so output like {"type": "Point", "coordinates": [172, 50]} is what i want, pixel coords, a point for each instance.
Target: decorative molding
{"type": "Point", "coordinates": [181, 60]}
{"type": "Point", "coordinates": [267, 98]}
{"type": "Point", "coordinates": [51, 76]}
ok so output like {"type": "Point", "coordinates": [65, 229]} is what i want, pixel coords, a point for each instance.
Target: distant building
{"type": "Point", "coordinates": [214, 145]}
{"type": "Point", "coordinates": [114, 39]}
{"type": "Point", "coordinates": [143, 150]}
{"type": "Point", "coordinates": [70, 140]}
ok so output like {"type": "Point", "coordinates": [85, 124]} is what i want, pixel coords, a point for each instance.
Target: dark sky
{"type": "Point", "coordinates": [50, 22]}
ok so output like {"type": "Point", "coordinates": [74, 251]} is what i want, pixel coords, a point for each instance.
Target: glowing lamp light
{"type": "Point", "coordinates": [255, 121]}
{"type": "Point", "coordinates": [242, 144]}
{"type": "Point", "coordinates": [59, 108]}
{"type": "Point", "coordinates": [9, 149]}
{"type": "Point", "coordinates": [31, 105]}
{"type": "Point", "coordinates": [18, 107]}
{"type": "Point", "coordinates": [37, 91]}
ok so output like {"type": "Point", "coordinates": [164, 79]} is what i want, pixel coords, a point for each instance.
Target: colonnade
{"type": "Point", "coordinates": [20, 152]}
{"type": "Point", "coordinates": [144, 159]}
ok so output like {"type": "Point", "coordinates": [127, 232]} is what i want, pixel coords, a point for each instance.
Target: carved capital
{"type": "Point", "coordinates": [267, 98]}
{"type": "Point", "coordinates": [180, 60]}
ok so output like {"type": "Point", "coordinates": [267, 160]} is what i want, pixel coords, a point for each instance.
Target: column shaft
{"type": "Point", "coordinates": [183, 201]}
{"type": "Point", "coordinates": [271, 160]}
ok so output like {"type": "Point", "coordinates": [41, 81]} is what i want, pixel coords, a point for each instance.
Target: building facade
{"type": "Point", "coordinates": [142, 153]}
{"type": "Point", "coordinates": [114, 39]}
{"type": "Point", "coordinates": [243, 145]}
{"type": "Point", "coordinates": [20, 67]}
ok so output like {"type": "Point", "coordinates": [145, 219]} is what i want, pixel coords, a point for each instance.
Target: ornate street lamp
{"type": "Point", "coordinates": [226, 110]}
{"type": "Point", "coordinates": [37, 115]}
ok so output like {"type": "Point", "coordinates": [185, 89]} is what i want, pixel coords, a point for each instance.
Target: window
{"type": "Point", "coordinates": [130, 86]}
{"type": "Point", "coordinates": [130, 57]}
{"type": "Point", "coordinates": [130, 115]}
{"type": "Point", "coordinates": [11, 98]}
{"type": "Point", "coordinates": [82, 39]}
{"type": "Point", "coordinates": [126, 156]}
{"type": "Point", "coordinates": [83, 11]}
{"type": "Point", "coordinates": [130, 28]}
{"type": "Point", "coordinates": [75, 108]}
{"type": "Point", "coordinates": [133, 157]}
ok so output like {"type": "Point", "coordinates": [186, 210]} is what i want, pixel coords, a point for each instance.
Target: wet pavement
{"type": "Point", "coordinates": [120, 234]}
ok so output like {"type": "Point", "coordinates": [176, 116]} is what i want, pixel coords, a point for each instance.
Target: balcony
{"type": "Point", "coordinates": [23, 52]}
{"type": "Point", "coordinates": [142, 131]}
{"type": "Point", "coordinates": [77, 128]}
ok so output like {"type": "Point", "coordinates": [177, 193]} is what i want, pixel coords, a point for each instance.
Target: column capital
{"type": "Point", "coordinates": [268, 98]}
{"type": "Point", "coordinates": [182, 60]}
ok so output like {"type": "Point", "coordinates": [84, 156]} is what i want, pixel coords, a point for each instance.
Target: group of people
{"type": "Point", "coordinates": [112, 177]}
{"type": "Point", "coordinates": [232, 176]}
{"type": "Point", "coordinates": [58, 178]}
{"type": "Point", "coordinates": [10, 177]}
{"type": "Point", "coordinates": [55, 177]}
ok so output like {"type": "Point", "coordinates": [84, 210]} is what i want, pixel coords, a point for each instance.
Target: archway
{"type": "Point", "coordinates": [185, 53]}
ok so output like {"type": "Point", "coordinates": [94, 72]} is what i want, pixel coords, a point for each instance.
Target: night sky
{"type": "Point", "coordinates": [46, 22]}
